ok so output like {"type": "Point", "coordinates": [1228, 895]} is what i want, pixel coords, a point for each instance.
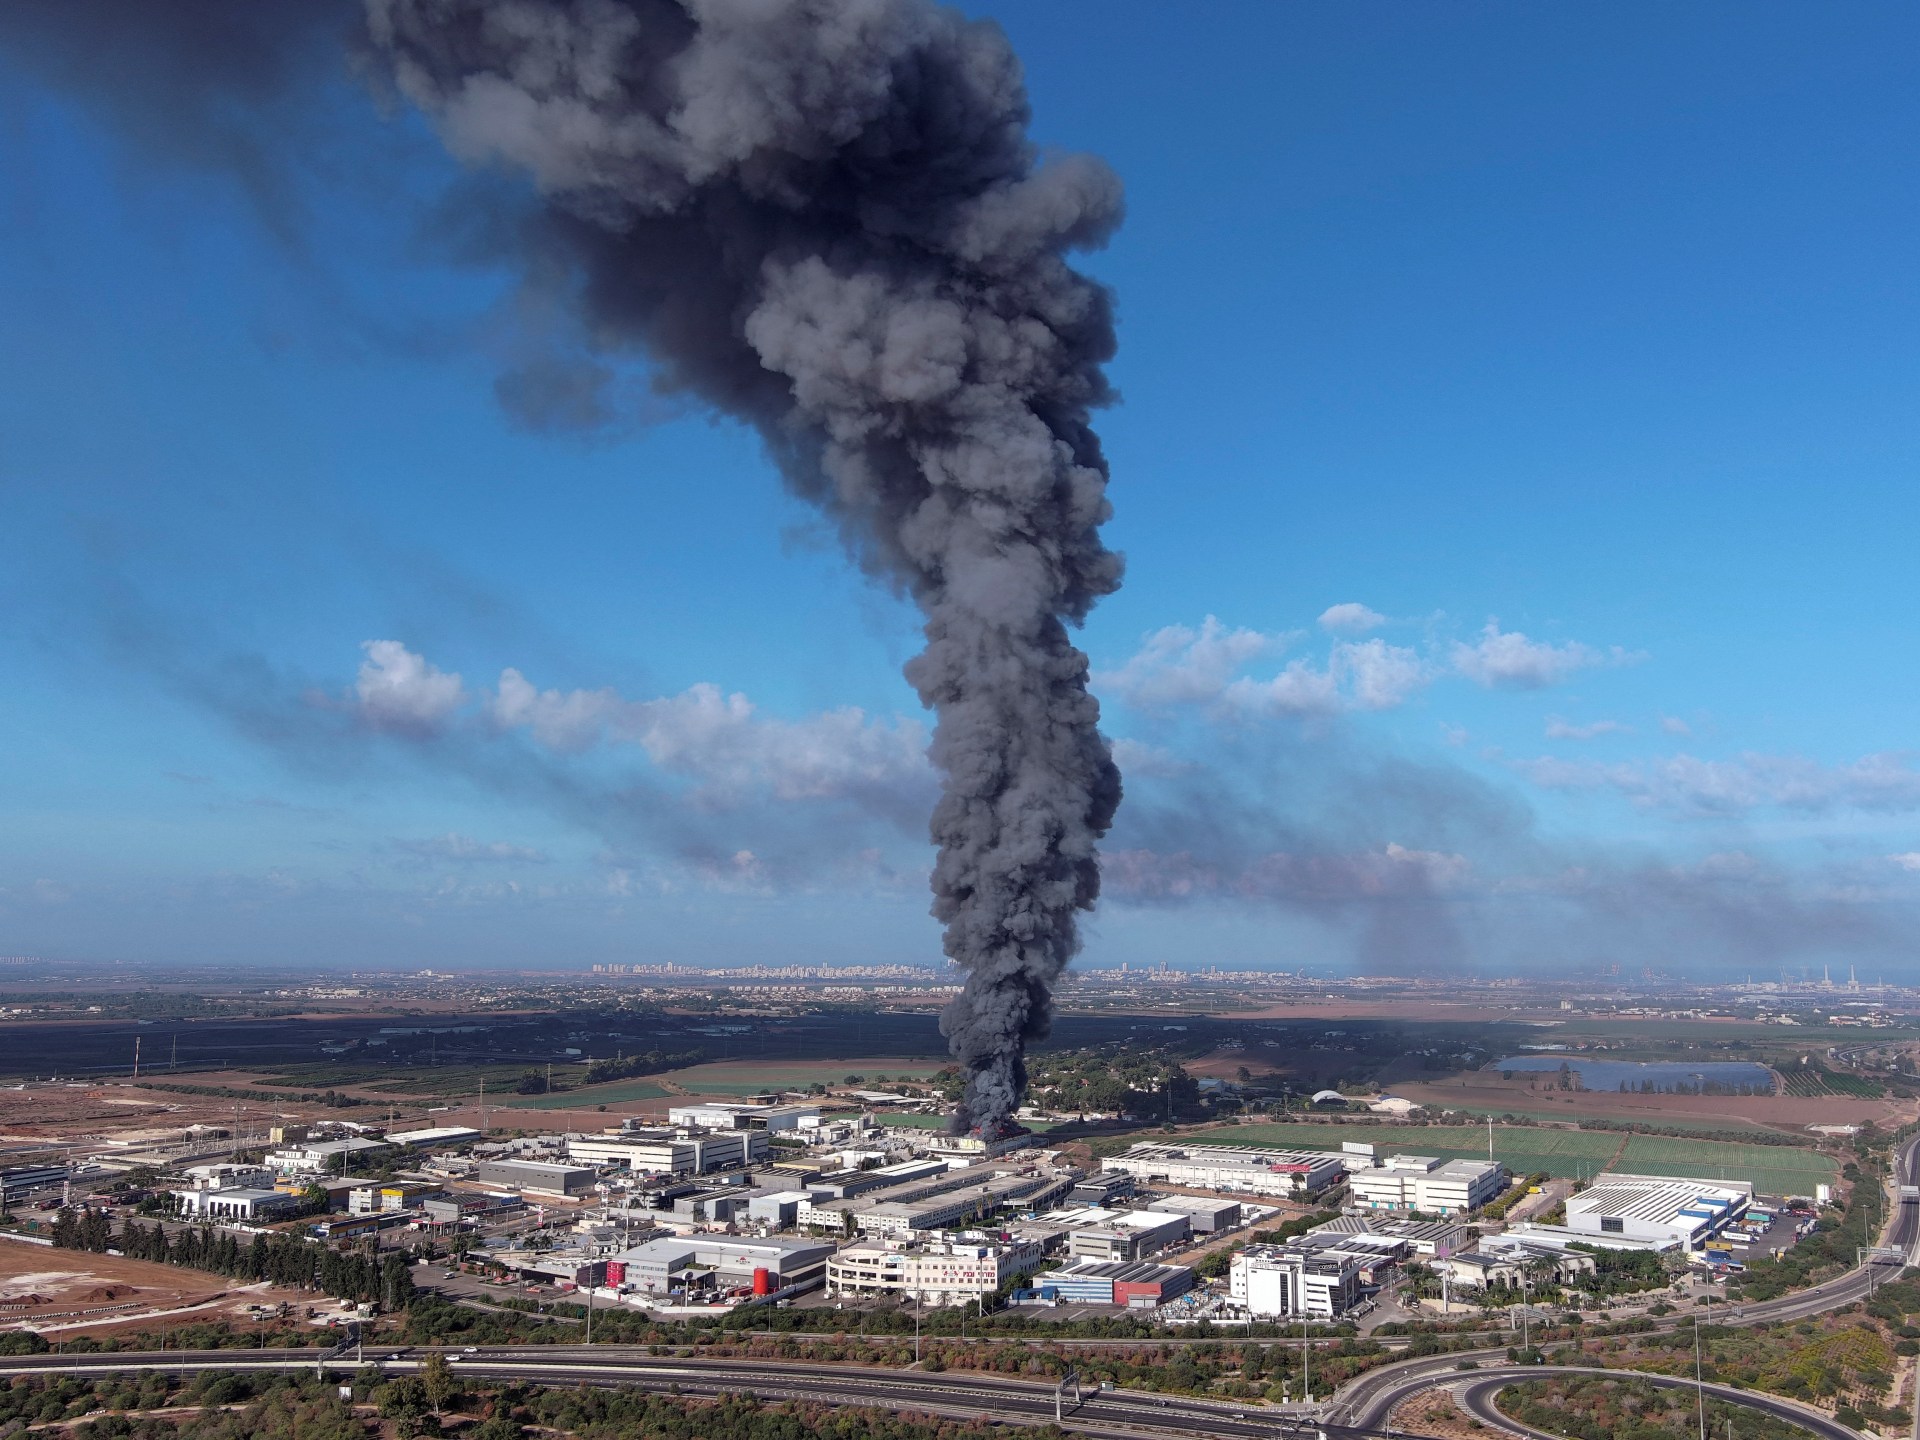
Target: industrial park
{"type": "Point", "coordinates": [931, 719]}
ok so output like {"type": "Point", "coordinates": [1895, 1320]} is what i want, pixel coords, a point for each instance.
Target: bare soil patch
{"type": "Point", "coordinates": [64, 1293]}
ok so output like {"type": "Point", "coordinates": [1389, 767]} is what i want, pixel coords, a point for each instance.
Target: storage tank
{"type": "Point", "coordinates": [762, 1280]}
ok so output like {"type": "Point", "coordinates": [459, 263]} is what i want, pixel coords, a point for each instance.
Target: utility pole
{"type": "Point", "coordinates": [1296, 1299]}
{"type": "Point", "coordinates": [136, 1057]}
{"type": "Point", "coordinates": [1699, 1389]}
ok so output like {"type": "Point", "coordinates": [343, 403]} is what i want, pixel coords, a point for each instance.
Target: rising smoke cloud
{"type": "Point", "coordinates": [824, 218]}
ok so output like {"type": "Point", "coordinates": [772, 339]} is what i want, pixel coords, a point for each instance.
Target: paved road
{"type": "Point", "coordinates": [1477, 1397]}
{"type": "Point", "coordinates": [1111, 1414]}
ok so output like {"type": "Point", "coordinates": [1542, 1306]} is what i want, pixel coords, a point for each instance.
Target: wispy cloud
{"type": "Point", "coordinates": [1213, 667]}
{"type": "Point", "coordinates": [1886, 783]}
{"type": "Point", "coordinates": [465, 850]}
{"type": "Point", "coordinates": [1509, 660]}
{"type": "Point", "coordinates": [1559, 729]}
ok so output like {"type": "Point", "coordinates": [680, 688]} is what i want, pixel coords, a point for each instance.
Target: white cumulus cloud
{"type": "Point", "coordinates": [1182, 665]}
{"type": "Point", "coordinates": [1179, 665]}
{"type": "Point", "coordinates": [1378, 676]}
{"type": "Point", "coordinates": [721, 740]}
{"type": "Point", "coordinates": [1509, 660]}
{"type": "Point", "coordinates": [1351, 618]}
{"type": "Point", "coordinates": [1302, 688]}
{"type": "Point", "coordinates": [399, 690]}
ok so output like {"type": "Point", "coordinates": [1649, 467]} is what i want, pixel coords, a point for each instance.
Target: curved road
{"type": "Point", "coordinates": [1477, 1398]}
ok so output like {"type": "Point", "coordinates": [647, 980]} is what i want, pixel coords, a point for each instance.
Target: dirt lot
{"type": "Point", "coordinates": [1485, 1089]}
{"type": "Point", "coordinates": [64, 1293]}
{"type": "Point", "coordinates": [89, 1117]}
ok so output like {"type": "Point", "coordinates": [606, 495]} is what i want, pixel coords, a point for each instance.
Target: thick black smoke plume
{"type": "Point", "coordinates": [823, 217]}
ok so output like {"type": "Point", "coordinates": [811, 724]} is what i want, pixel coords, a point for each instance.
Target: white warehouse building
{"type": "Point", "coordinates": [740, 1115]}
{"type": "Point", "coordinates": [1660, 1208]}
{"type": "Point", "coordinates": [1291, 1173]}
{"type": "Point", "coordinates": [936, 1270]}
{"type": "Point", "coordinates": [1427, 1184]}
{"type": "Point", "coordinates": [667, 1153]}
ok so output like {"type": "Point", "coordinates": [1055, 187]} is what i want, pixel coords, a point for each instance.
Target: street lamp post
{"type": "Point", "coordinates": [1699, 1388]}
{"type": "Point", "coordinates": [1306, 1348]}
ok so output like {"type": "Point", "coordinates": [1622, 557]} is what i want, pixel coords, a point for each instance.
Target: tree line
{"type": "Point", "coordinates": [287, 1260]}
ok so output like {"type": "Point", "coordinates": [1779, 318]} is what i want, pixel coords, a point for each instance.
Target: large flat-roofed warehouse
{"type": "Point", "coordinates": [833, 1197]}
{"type": "Point", "coordinates": [1112, 1282]}
{"type": "Point", "coordinates": [739, 1115]}
{"type": "Point", "coordinates": [437, 1138]}
{"type": "Point", "coordinates": [1204, 1214]}
{"type": "Point", "coordinates": [702, 1262]}
{"type": "Point", "coordinates": [1660, 1208]}
{"type": "Point", "coordinates": [19, 1181]}
{"type": "Point", "coordinates": [1428, 1184]}
{"type": "Point", "coordinates": [954, 1207]}
{"type": "Point", "coordinates": [663, 1152]}
{"type": "Point", "coordinates": [536, 1177]}
{"type": "Point", "coordinates": [1237, 1171]}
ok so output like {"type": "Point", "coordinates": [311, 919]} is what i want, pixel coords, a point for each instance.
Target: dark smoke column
{"type": "Point", "coordinates": [825, 217]}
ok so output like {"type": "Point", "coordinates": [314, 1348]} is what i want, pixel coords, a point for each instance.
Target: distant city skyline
{"type": "Point", "coordinates": [1514, 464]}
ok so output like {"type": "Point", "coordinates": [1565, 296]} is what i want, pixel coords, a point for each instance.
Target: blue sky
{"type": "Point", "coordinates": [1514, 468]}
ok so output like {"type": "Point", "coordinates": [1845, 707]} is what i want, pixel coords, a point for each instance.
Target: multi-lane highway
{"type": "Point", "coordinates": [1110, 1414]}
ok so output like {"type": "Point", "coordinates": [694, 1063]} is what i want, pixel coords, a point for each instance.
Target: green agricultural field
{"type": "Point", "coordinates": [1770, 1169]}
{"type": "Point", "coordinates": [749, 1077]}
{"type": "Point", "coordinates": [1719, 1123]}
{"type": "Point", "coordinates": [610, 1093]}
{"type": "Point", "coordinates": [1523, 1149]}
